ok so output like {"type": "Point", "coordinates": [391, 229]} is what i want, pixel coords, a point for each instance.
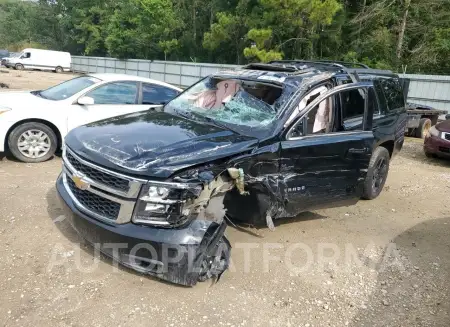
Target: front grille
{"type": "Point", "coordinates": [447, 136]}
{"type": "Point", "coordinates": [101, 206]}
{"type": "Point", "coordinates": [97, 175]}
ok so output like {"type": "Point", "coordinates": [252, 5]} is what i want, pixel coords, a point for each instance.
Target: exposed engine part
{"type": "Point", "coordinates": [238, 176]}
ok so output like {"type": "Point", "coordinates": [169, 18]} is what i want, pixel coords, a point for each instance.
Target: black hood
{"type": "Point", "coordinates": [154, 144]}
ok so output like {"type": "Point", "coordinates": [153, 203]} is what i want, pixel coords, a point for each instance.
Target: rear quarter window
{"type": "Point", "coordinates": [390, 93]}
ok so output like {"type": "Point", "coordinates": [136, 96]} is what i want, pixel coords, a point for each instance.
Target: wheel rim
{"type": "Point", "coordinates": [379, 175]}
{"type": "Point", "coordinates": [34, 144]}
{"type": "Point", "coordinates": [426, 128]}
{"type": "Point", "coordinates": [19, 67]}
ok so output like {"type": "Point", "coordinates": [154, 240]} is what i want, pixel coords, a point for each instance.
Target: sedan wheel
{"type": "Point", "coordinates": [34, 144]}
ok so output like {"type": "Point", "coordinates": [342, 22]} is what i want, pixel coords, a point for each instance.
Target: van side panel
{"type": "Point", "coordinates": [46, 59]}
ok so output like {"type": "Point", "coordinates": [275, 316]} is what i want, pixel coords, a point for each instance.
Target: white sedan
{"type": "Point", "coordinates": [34, 124]}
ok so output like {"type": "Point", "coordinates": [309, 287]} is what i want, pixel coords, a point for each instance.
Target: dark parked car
{"type": "Point", "coordinates": [437, 141]}
{"type": "Point", "coordinates": [253, 145]}
{"type": "Point", "coordinates": [3, 55]}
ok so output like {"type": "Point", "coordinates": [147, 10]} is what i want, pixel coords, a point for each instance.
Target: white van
{"type": "Point", "coordinates": [56, 61]}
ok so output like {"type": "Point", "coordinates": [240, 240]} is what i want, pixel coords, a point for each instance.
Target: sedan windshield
{"type": "Point", "coordinates": [67, 89]}
{"type": "Point", "coordinates": [239, 103]}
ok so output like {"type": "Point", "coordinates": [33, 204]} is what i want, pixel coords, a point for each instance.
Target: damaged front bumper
{"type": "Point", "coordinates": [180, 255]}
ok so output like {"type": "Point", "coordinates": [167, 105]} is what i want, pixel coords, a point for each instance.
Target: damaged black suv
{"type": "Point", "coordinates": [154, 189]}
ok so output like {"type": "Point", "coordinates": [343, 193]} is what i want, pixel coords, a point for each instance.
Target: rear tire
{"type": "Point", "coordinates": [59, 70]}
{"type": "Point", "coordinates": [424, 127]}
{"type": "Point", "coordinates": [19, 67]}
{"type": "Point", "coordinates": [376, 174]}
{"type": "Point", "coordinates": [32, 142]}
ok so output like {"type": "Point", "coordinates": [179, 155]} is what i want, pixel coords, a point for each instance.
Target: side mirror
{"type": "Point", "coordinates": [85, 101]}
{"type": "Point", "coordinates": [447, 116]}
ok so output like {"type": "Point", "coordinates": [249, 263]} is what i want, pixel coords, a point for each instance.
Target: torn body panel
{"type": "Point", "coordinates": [302, 175]}
{"type": "Point", "coordinates": [182, 255]}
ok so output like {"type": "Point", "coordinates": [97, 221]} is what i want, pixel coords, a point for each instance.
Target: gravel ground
{"type": "Point", "coordinates": [30, 80]}
{"type": "Point", "coordinates": [379, 263]}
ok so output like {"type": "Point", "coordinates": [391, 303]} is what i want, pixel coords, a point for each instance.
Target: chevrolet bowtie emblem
{"type": "Point", "coordinates": [80, 183]}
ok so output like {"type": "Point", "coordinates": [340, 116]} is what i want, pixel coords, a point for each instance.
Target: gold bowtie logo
{"type": "Point", "coordinates": [80, 183]}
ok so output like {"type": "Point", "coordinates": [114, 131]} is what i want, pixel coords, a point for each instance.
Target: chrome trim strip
{"type": "Point", "coordinates": [134, 184]}
{"type": "Point", "coordinates": [126, 208]}
{"type": "Point", "coordinates": [161, 201]}
{"type": "Point", "coordinates": [310, 136]}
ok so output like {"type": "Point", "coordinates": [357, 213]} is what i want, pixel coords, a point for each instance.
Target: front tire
{"type": "Point", "coordinates": [32, 142]}
{"type": "Point", "coordinates": [376, 174]}
{"type": "Point", "coordinates": [19, 67]}
{"type": "Point", "coordinates": [214, 266]}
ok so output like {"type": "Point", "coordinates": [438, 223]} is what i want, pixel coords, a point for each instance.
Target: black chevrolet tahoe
{"type": "Point", "coordinates": [155, 189]}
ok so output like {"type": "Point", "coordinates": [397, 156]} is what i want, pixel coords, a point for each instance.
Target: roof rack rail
{"type": "Point", "coordinates": [340, 64]}
{"type": "Point", "coordinates": [335, 65]}
{"type": "Point", "coordinates": [369, 71]}
{"type": "Point", "coordinates": [344, 63]}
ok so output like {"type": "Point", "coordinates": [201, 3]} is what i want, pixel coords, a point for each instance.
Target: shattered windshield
{"type": "Point", "coordinates": [230, 102]}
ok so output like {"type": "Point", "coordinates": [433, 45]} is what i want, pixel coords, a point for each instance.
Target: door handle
{"type": "Point", "coordinates": [358, 151]}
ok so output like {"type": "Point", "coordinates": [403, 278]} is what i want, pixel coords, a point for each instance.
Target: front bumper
{"type": "Point", "coordinates": [437, 146]}
{"type": "Point", "coordinates": [174, 255]}
{"type": "Point", "coordinates": [5, 126]}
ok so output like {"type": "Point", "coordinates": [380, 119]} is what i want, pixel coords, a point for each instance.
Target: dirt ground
{"type": "Point", "coordinates": [384, 262]}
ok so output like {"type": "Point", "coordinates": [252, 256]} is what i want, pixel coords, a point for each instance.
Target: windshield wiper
{"type": "Point", "coordinates": [183, 114]}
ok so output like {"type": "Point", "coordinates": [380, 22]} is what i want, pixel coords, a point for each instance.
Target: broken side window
{"type": "Point", "coordinates": [340, 112]}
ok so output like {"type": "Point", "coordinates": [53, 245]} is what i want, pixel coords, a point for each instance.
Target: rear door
{"type": "Point", "coordinates": [111, 99]}
{"type": "Point", "coordinates": [324, 160]}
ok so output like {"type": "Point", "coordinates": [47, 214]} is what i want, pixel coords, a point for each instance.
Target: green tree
{"type": "Point", "coordinates": [258, 50]}
{"type": "Point", "coordinates": [137, 26]}
{"type": "Point", "coordinates": [168, 46]}
{"type": "Point", "coordinates": [228, 33]}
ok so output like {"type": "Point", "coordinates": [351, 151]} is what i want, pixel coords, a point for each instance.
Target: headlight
{"type": "Point", "coordinates": [434, 132]}
{"type": "Point", "coordinates": [164, 204]}
{"type": "Point", "coordinates": [4, 109]}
